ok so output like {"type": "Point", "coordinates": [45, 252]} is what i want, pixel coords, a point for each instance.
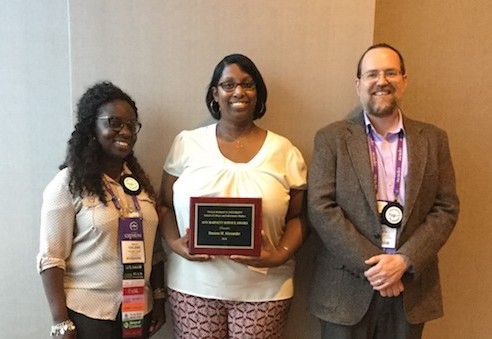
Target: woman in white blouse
{"type": "Point", "coordinates": [86, 209]}
{"type": "Point", "coordinates": [233, 296]}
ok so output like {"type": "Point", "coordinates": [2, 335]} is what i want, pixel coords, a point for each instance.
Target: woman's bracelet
{"type": "Point", "coordinates": [159, 293]}
{"type": "Point", "coordinates": [62, 328]}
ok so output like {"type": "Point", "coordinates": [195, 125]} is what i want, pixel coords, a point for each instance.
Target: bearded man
{"type": "Point", "coordinates": [382, 198]}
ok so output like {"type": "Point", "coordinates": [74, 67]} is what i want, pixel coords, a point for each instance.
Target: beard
{"type": "Point", "coordinates": [381, 109]}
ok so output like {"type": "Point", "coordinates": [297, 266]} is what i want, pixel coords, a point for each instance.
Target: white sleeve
{"type": "Point", "coordinates": [175, 159]}
{"type": "Point", "coordinates": [57, 224]}
{"type": "Point", "coordinates": [296, 169]}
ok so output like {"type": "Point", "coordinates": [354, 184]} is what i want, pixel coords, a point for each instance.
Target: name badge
{"type": "Point", "coordinates": [130, 234]}
{"type": "Point", "coordinates": [132, 250]}
{"type": "Point", "coordinates": [131, 240]}
{"type": "Point", "coordinates": [388, 237]}
{"type": "Point", "coordinates": [391, 216]}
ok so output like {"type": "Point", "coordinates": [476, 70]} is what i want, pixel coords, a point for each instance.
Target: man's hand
{"type": "Point", "coordinates": [392, 290]}
{"type": "Point", "coordinates": [386, 272]}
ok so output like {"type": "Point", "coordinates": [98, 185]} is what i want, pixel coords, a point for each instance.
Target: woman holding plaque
{"type": "Point", "coordinates": [233, 295]}
{"type": "Point", "coordinates": [98, 226]}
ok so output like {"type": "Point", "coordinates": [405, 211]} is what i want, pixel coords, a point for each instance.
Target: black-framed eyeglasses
{"type": "Point", "coordinates": [373, 75]}
{"type": "Point", "coordinates": [230, 86]}
{"type": "Point", "coordinates": [116, 124]}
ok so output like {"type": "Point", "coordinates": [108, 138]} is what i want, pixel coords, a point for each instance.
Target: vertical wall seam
{"type": "Point", "coordinates": [70, 71]}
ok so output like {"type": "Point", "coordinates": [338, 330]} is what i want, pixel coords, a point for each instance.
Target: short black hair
{"type": "Point", "coordinates": [381, 45]}
{"type": "Point", "coordinates": [247, 66]}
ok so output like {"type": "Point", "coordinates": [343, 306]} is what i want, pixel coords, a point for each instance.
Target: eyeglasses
{"type": "Point", "coordinates": [116, 124]}
{"type": "Point", "coordinates": [230, 86]}
{"type": "Point", "coordinates": [389, 74]}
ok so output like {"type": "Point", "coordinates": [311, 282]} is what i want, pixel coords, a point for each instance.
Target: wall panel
{"type": "Point", "coordinates": [36, 121]}
{"type": "Point", "coordinates": [447, 46]}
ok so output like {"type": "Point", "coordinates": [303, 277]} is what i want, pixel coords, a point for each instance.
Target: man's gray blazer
{"type": "Point", "coordinates": [342, 209]}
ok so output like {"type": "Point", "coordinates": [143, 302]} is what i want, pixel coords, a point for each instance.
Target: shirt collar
{"type": "Point", "coordinates": [399, 127]}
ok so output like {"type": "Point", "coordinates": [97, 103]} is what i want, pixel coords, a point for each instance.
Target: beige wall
{"type": "Point", "coordinates": [164, 52]}
{"type": "Point", "coordinates": [447, 45]}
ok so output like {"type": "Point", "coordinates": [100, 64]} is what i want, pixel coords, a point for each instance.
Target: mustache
{"type": "Point", "coordinates": [385, 87]}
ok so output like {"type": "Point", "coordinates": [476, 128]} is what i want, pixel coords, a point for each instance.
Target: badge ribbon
{"type": "Point", "coordinates": [130, 237]}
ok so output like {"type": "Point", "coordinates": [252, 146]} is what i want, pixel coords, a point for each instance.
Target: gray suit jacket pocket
{"type": "Point", "coordinates": [338, 295]}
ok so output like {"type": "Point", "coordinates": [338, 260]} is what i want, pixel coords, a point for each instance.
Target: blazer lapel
{"type": "Point", "coordinates": [417, 157]}
{"type": "Point", "coordinates": [359, 154]}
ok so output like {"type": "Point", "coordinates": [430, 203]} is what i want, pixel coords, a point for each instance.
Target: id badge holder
{"type": "Point", "coordinates": [389, 234]}
{"type": "Point", "coordinates": [388, 237]}
{"type": "Point", "coordinates": [131, 240]}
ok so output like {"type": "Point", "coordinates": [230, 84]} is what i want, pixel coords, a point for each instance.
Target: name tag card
{"type": "Point", "coordinates": [225, 226]}
{"type": "Point", "coordinates": [131, 239]}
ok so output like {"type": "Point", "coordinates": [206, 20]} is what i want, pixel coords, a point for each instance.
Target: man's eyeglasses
{"type": "Point", "coordinates": [116, 124]}
{"type": "Point", "coordinates": [230, 86]}
{"type": "Point", "coordinates": [389, 74]}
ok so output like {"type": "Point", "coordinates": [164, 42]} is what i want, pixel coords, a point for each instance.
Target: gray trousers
{"type": "Point", "coordinates": [385, 319]}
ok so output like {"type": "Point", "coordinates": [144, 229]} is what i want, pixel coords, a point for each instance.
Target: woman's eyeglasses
{"type": "Point", "coordinates": [116, 124]}
{"type": "Point", "coordinates": [230, 86]}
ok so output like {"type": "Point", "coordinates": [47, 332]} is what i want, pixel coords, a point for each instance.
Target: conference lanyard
{"type": "Point", "coordinates": [131, 239]}
{"type": "Point", "coordinates": [116, 200]}
{"type": "Point", "coordinates": [399, 162]}
{"type": "Point", "coordinates": [391, 212]}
